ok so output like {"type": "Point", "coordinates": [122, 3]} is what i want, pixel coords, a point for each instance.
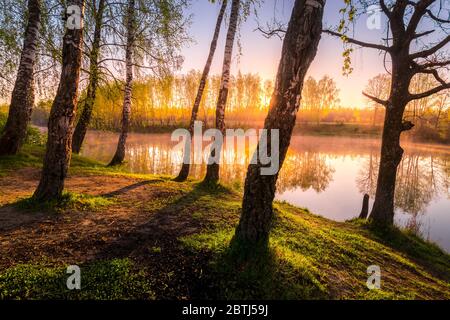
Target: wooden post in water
{"type": "Point", "coordinates": [365, 207]}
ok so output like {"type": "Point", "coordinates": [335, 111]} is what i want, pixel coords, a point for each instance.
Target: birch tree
{"type": "Point", "coordinates": [60, 126]}
{"type": "Point", "coordinates": [23, 96]}
{"type": "Point", "coordinates": [153, 34]}
{"type": "Point", "coordinates": [184, 172]}
{"type": "Point", "coordinates": [299, 50]}
{"type": "Point", "coordinates": [212, 173]}
{"type": "Point", "coordinates": [94, 70]}
{"type": "Point", "coordinates": [119, 156]}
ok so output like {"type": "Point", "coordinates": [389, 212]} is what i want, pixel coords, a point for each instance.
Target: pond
{"type": "Point", "coordinates": [327, 175]}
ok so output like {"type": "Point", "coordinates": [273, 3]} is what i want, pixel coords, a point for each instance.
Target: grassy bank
{"type": "Point", "coordinates": [147, 237]}
{"type": "Point", "coordinates": [358, 130]}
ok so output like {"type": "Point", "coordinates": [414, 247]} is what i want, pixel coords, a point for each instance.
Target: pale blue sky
{"type": "Point", "coordinates": [261, 55]}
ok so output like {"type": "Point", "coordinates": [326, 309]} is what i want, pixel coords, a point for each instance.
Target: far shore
{"type": "Point", "coordinates": [302, 129]}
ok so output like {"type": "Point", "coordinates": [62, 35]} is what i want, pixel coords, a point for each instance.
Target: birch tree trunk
{"type": "Point", "coordinates": [119, 156]}
{"type": "Point", "coordinates": [184, 172]}
{"type": "Point", "coordinates": [22, 99]}
{"type": "Point", "coordinates": [85, 118]}
{"type": "Point", "coordinates": [62, 115]}
{"type": "Point", "coordinates": [299, 50]}
{"type": "Point", "coordinates": [212, 173]}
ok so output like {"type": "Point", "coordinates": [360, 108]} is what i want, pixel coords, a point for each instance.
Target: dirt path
{"type": "Point", "coordinates": [144, 223]}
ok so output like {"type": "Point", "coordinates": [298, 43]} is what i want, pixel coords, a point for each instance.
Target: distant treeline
{"type": "Point", "coordinates": [164, 104]}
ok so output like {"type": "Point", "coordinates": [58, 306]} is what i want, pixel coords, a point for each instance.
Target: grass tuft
{"type": "Point", "coordinates": [68, 201]}
{"type": "Point", "coordinates": [103, 280]}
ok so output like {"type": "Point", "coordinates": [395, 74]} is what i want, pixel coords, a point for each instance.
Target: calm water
{"type": "Point", "coordinates": [327, 175]}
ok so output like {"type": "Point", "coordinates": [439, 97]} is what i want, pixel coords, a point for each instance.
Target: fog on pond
{"type": "Point", "coordinates": [327, 175]}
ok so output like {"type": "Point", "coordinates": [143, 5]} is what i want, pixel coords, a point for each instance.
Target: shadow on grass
{"type": "Point", "coordinates": [155, 245]}
{"type": "Point", "coordinates": [129, 188]}
{"type": "Point", "coordinates": [166, 222]}
{"type": "Point", "coordinates": [29, 212]}
{"type": "Point", "coordinates": [258, 272]}
{"type": "Point", "coordinates": [427, 254]}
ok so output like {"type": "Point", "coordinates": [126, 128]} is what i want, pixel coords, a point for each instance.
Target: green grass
{"type": "Point", "coordinates": [403, 240]}
{"type": "Point", "coordinates": [309, 257]}
{"type": "Point", "coordinates": [68, 201]}
{"type": "Point", "coordinates": [102, 280]}
{"type": "Point", "coordinates": [34, 136]}
{"type": "Point", "coordinates": [33, 150]}
{"type": "Point", "coordinates": [276, 273]}
{"type": "Point", "coordinates": [29, 156]}
{"type": "Point", "coordinates": [339, 129]}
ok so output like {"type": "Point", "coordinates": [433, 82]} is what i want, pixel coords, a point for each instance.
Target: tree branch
{"type": "Point", "coordinates": [426, 69]}
{"type": "Point", "coordinates": [419, 11]}
{"type": "Point", "coordinates": [385, 9]}
{"type": "Point", "coordinates": [430, 51]}
{"type": "Point", "coordinates": [435, 18]}
{"type": "Point", "coordinates": [435, 74]}
{"type": "Point", "coordinates": [433, 64]}
{"type": "Point", "coordinates": [377, 100]}
{"type": "Point", "coordinates": [421, 34]}
{"type": "Point", "coordinates": [272, 32]}
{"type": "Point", "coordinates": [429, 92]}
{"type": "Point", "coordinates": [357, 42]}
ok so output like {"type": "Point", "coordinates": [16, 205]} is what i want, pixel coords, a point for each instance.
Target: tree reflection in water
{"type": "Point", "coordinates": [340, 169]}
{"type": "Point", "coordinates": [421, 178]}
{"type": "Point", "coordinates": [305, 170]}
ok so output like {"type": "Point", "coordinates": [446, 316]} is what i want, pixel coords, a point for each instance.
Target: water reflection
{"type": "Point", "coordinates": [367, 176]}
{"type": "Point", "coordinates": [421, 178]}
{"type": "Point", "coordinates": [328, 175]}
{"type": "Point", "coordinates": [305, 170]}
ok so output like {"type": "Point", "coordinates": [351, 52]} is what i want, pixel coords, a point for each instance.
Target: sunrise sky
{"type": "Point", "coordinates": [261, 55]}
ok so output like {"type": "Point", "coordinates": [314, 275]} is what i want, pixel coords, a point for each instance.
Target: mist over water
{"type": "Point", "coordinates": [327, 175]}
